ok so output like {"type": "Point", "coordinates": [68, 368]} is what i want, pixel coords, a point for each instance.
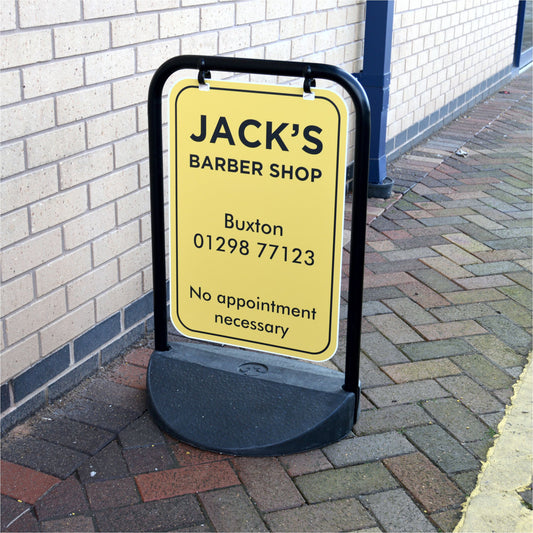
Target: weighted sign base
{"type": "Point", "coordinates": [247, 403]}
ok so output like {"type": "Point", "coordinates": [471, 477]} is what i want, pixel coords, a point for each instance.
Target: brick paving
{"type": "Point", "coordinates": [446, 332]}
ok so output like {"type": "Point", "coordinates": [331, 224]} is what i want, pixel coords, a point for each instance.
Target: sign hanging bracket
{"type": "Point", "coordinates": [308, 80]}
{"type": "Point", "coordinates": [203, 73]}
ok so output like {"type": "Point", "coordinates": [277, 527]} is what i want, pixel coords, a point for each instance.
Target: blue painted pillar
{"type": "Point", "coordinates": [375, 79]}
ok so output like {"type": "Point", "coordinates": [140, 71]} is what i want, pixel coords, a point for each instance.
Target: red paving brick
{"type": "Point", "coordinates": [267, 483]}
{"type": "Point", "coordinates": [139, 357]}
{"type": "Point", "coordinates": [422, 294]}
{"type": "Point", "coordinates": [26, 484]}
{"type": "Point", "coordinates": [186, 480]}
{"type": "Point", "coordinates": [130, 375]}
{"type": "Point", "coordinates": [305, 463]}
{"type": "Point", "coordinates": [426, 483]}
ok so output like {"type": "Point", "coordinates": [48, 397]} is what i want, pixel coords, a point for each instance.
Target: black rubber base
{"type": "Point", "coordinates": [247, 403]}
{"type": "Point", "coordinates": [381, 190]}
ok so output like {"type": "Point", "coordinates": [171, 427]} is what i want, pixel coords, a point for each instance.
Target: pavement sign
{"type": "Point", "coordinates": [257, 180]}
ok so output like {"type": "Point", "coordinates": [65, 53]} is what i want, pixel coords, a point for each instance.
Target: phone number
{"type": "Point", "coordinates": [261, 250]}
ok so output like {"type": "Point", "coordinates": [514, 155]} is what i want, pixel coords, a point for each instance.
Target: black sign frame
{"type": "Point", "coordinates": [308, 71]}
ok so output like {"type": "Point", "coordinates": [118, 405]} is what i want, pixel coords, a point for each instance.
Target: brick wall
{"type": "Point", "coordinates": [446, 56]}
{"type": "Point", "coordinates": [75, 229]}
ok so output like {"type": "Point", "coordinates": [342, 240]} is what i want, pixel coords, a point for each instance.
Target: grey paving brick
{"type": "Point", "coordinates": [474, 231]}
{"type": "Point", "coordinates": [408, 265]}
{"type": "Point", "coordinates": [395, 511]}
{"type": "Point", "coordinates": [507, 331]}
{"type": "Point", "coordinates": [457, 419]}
{"type": "Point", "coordinates": [497, 267]}
{"type": "Point", "coordinates": [103, 415]}
{"type": "Point", "coordinates": [509, 244]}
{"type": "Point", "coordinates": [106, 464]}
{"type": "Point", "coordinates": [469, 393]}
{"type": "Point", "coordinates": [42, 455]}
{"type": "Point", "coordinates": [64, 499]}
{"type": "Point", "coordinates": [492, 419]}
{"type": "Point", "coordinates": [380, 293]}
{"type": "Point", "coordinates": [478, 367]}
{"type": "Point", "coordinates": [442, 221]}
{"type": "Point", "coordinates": [462, 312]}
{"type": "Point", "coordinates": [466, 481]}
{"type": "Point", "coordinates": [513, 311]}
{"type": "Point", "coordinates": [72, 434]}
{"type": "Point", "coordinates": [374, 308]}
{"type": "Point", "coordinates": [435, 280]}
{"type": "Point", "coordinates": [231, 509]}
{"type": "Point", "coordinates": [442, 448]}
{"type": "Point", "coordinates": [164, 515]}
{"type": "Point", "coordinates": [406, 393]}
{"type": "Point", "coordinates": [151, 459]}
{"type": "Point", "coordinates": [141, 432]}
{"type": "Point", "coordinates": [369, 448]}
{"type": "Point", "coordinates": [519, 294]}
{"type": "Point", "coordinates": [11, 511]}
{"type": "Point", "coordinates": [410, 311]}
{"type": "Point", "coordinates": [345, 482]}
{"type": "Point", "coordinates": [425, 238]}
{"type": "Point", "coordinates": [380, 349]}
{"type": "Point", "coordinates": [370, 374]}
{"type": "Point", "coordinates": [70, 524]}
{"type": "Point", "coordinates": [410, 253]}
{"type": "Point", "coordinates": [480, 447]}
{"type": "Point", "coordinates": [495, 350]}
{"type": "Point", "coordinates": [390, 418]}
{"type": "Point", "coordinates": [340, 515]}
{"type": "Point", "coordinates": [446, 520]}
{"type": "Point", "coordinates": [510, 233]}
{"type": "Point", "coordinates": [418, 351]}
{"type": "Point", "coordinates": [108, 391]}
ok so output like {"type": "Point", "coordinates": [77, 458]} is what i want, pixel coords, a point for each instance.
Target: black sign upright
{"type": "Point", "coordinates": [237, 401]}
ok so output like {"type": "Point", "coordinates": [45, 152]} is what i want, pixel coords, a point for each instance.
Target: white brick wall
{"type": "Point", "coordinates": [441, 50]}
{"type": "Point", "coordinates": [74, 191]}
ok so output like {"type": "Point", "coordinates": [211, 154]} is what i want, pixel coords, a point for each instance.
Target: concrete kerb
{"type": "Point", "coordinates": [495, 504]}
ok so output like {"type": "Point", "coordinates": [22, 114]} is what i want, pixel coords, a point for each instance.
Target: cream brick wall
{"type": "Point", "coordinates": [441, 50]}
{"type": "Point", "coordinates": [74, 195]}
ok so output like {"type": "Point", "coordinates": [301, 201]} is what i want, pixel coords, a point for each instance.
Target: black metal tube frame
{"type": "Point", "coordinates": [360, 180]}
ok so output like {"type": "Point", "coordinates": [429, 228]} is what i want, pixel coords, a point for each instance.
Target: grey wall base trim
{"type": "Point", "coordinates": [61, 371]}
{"type": "Point", "coordinates": [429, 125]}
{"type": "Point", "coordinates": [405, 140]}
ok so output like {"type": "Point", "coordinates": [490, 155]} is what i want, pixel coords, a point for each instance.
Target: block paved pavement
{"type": "Point", "coordinates": [445, 335]}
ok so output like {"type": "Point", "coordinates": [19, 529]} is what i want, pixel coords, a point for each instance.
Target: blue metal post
{"type": "Point", "coordinates": [375, 79]}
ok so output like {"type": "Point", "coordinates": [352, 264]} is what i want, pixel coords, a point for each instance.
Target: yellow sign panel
{"type": "Point", "coordinates": [256, 216]}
